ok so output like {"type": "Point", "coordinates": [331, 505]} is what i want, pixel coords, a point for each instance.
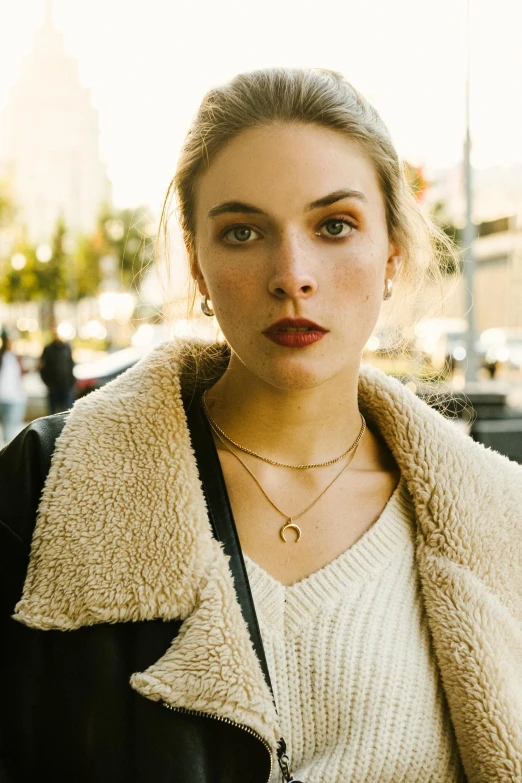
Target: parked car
{"type": "Point", "coordinates": [92, 375]}
{"type": "Point", "coordinates": [504, 346]}
{"type": "Point", "coordinates": [89, 376]}
{"type": "Point", "coordinates": [514, 344]}
{"type": "Point", "coordinates": [442, 342]}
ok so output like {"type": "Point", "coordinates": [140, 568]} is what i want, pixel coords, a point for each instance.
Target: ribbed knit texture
{"type": "Point", "coordinates": [354, 675]}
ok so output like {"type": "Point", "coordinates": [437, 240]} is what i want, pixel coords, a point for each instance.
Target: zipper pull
{"type": "Point", "coordinates": [284, 762]}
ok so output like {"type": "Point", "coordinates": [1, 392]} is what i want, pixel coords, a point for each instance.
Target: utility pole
{"type": "Point", "coordinates": [469, 230]}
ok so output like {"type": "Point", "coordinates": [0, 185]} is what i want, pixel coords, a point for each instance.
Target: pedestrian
{"type": "Point", "coordinates": [261, 559]}
{"type": "Point", "coordinates": [12, 393]}
{"type": "Point", "coordinates": [56, 371]}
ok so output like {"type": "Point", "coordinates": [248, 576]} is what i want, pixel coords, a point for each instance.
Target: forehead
{"type": "Point", "coordinates": [282, 167]}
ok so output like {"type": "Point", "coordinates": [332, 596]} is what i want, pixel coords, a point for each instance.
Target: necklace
{"type": "Point", "coordinates": [217, 429]}
{"type": "Point", "coordinates": [290, 523]}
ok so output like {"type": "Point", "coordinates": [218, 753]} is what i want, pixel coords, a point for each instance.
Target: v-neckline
{"type": "Point", "coordinates": [360, 562]}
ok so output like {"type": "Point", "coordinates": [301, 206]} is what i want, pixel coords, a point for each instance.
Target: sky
{"type": "Point", "coordinates": [148, 63]}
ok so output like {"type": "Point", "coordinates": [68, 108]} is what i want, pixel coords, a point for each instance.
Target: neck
{"type": "Point", "coordinates": [291, 426]}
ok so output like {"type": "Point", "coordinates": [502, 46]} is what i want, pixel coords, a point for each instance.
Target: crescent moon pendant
{"type": "Point", "coordinates": [286, 527]}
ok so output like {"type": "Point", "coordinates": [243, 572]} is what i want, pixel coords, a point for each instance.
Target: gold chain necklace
{"type": "Point", "coordinates": [217, 429]}
{"type": "Point", "coordinates": [289, 524]}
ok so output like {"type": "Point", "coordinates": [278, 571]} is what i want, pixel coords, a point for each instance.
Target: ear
{"type": "Point", "coordinates": [394, 261]}
{"type": "Point", "coordinates": [197, 274]}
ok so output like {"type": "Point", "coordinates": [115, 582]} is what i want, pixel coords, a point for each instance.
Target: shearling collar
{"type": "Point", "coordinates": [123, 535]}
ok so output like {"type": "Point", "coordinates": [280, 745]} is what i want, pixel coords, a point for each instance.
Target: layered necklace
{"type": "Point", "coordinates": [289, 524]}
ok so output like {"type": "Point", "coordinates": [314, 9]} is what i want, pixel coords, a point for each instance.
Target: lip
{"type": "Point", "coordinates": [294, 323]}
{"type": "Point", "coordinates": [278, 333]}
{"type": "Point", "coordinates": [295, 339]}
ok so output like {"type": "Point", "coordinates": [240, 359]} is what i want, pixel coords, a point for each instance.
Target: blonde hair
{"type": "Point", "coordinates": [323, 98]}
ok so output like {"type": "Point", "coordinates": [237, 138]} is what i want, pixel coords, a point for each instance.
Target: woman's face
{"type": "Point", "coordinates": [290, 223]}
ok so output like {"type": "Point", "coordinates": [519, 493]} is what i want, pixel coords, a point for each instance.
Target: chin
{"type": "Point", "coordinates": [298, 373]}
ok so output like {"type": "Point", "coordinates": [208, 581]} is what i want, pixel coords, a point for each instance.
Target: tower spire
{"type": "Point", "coordinates": [49, 12]}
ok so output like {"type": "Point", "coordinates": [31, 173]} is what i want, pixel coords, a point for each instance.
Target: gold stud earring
{"type": "Point", "coordinates": [204, 306]}
{"type": "Point", "coordinates": [387, 289]}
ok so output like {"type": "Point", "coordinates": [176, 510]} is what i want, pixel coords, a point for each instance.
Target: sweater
{"type": "Point", "coordinates": [123, 535]}
{"type": "Point", "coordinates": [356, 685]}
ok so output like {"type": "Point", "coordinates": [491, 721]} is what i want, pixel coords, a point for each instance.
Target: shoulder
{"type": "Point", "coordinates": [24, 465]}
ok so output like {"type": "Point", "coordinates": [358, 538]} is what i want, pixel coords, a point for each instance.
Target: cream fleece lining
{"type": "Point", "coordinates": [123, 535]}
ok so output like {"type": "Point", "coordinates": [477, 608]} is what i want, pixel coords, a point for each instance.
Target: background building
{"type": "Point", "coordinates": [497, 200]}
{"type": "Point", "coordinates": [51, 151]}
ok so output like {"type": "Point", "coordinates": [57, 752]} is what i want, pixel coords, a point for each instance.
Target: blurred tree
{"type": "Point", "coordinates": [7, 220]}
{"type": "Point", "coordinates": [416, 179]}
{"type": "Point", "coordinates": [87, 256]}
{"type": "Point", "coordinates": [124, 237]}
{"type": "Point", "coordinates": [116, 254]}
{"type": "Point", "coordinates": [128, 235]}
{"type": "Point", "coordinates": [53, 275]}
{"type": "Point", "coordinates": [420, 185]}
{"type": "Point", "coordinates": [135, 249]}
{"type": "Point", "coordinates": [37, 273]}
{"type": "Point", "coordinates": [19, 279]}
{"type": "Point", "coordinates": [443, 221]}
{"type": "Point", "coordinates": [7, 208]}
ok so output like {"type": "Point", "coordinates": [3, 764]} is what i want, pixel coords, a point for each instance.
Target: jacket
{"type": "Point", "coordinates": [127, 602]}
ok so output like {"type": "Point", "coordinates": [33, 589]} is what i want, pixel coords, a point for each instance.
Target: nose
{"type": "Point", "coordinates": [293, 275]}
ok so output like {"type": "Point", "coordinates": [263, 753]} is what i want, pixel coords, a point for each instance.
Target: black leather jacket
{"type": "Point", "coordinates": [67, 712]}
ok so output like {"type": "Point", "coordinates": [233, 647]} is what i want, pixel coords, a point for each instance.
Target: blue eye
{"type": "Point", "coordinates": [240, 235]}
{"type": "Point", "coordinates": [336, 226]}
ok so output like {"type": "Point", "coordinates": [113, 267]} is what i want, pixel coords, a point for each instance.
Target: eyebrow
{"type": "Point", "coordinates": [324, 201]}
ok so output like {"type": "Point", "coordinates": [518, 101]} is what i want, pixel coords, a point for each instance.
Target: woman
{"type": "Point", "coordinates": [12, 392]}
{"type": "Point", "coordinates": [312, 570]}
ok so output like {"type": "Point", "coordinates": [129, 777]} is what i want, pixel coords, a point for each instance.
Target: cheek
{"type": "Point", "coordinates": [361, 275]}
{"type": "Point", "coordinates": [233, 285]}
{"type": "Point", "coordinates": [235, 296]}
{"type": "Point", "coordinates": [232, 278]}
{"type": "Point", "coordinates": [358, 290]}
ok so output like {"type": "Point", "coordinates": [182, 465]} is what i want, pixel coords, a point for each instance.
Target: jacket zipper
{"type": "Point", "coordinates": [248, 730]}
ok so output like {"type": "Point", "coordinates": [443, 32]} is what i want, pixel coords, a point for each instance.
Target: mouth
{"type": "Point", "coordinates": [294, 325]}
{"type": "Point", "coordinates": [295, 332]}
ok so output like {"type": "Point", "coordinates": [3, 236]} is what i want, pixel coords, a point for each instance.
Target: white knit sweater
{"type": "Point", "coordinates": [352, 667]}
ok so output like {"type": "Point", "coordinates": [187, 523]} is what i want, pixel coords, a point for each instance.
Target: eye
{"type": "Point", "coordinates": [337, 227]}
{"type": "Point", "coordinates": [240, 235]}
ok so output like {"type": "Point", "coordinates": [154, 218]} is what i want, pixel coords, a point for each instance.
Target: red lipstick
{"type": "Point", "coordinates": [295, 332]}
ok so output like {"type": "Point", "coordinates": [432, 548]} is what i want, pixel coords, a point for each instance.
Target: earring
{"type": "Point", "coordinates": [388, 289]}
{"type": "Point", "coordinates": [204, 306]}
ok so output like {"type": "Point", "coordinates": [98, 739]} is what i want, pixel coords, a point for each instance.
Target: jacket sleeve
{"type": "Point", "coordinates": [24, 464]}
